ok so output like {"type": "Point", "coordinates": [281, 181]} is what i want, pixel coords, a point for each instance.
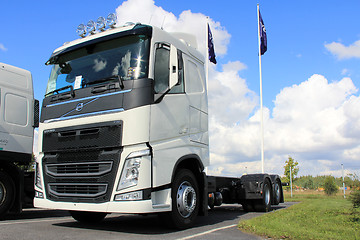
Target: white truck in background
{"type": "Point", "coordinates": [19, 115]}
{"type": "Point", "coordinates": [124, 129]}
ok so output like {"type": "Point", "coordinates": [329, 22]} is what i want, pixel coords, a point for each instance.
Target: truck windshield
{"type": "Point", "coordinates": [126, 58]}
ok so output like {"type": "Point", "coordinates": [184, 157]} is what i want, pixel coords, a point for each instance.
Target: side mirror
{"type": "Point", "coordinates": [173, 67]}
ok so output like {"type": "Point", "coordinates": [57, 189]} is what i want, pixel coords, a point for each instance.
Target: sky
{"type": "Point", "coordinates": [311, 74]}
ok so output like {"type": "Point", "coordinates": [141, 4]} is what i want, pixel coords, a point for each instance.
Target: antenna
{"type": "Point", "coordinates": [162, 25]}
{"type": "Point", "coordinates": [150, 19]}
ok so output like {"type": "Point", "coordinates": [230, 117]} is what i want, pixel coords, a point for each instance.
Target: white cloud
{"type": "Point", "coordinates": [2, 47]}
{"type": "Point", "coordinates": [344, 52]}
{"type": "Point", "coordinates": [145, 11]}
{"type": "Point", "coordinates": [316, 122]}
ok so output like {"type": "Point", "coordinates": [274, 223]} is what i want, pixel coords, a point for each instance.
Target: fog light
{"type": "Point", "coordinates": [138, 195]}
{"type": "Point", "coordinates": [39, 194]}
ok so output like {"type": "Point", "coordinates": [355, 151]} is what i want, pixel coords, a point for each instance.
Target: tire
{"type": "Point", "coordinates": [264, 204]}
{"type": "Point", "coordinates": [185, 201]}
{"type": "Point", "coordinates": [7, 193]}
{"type": "Point", "coordinates": [88, 217]}
{"type": "Point", "coordinates": [277, 193]}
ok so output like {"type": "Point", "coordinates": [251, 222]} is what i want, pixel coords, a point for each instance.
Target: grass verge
{"type": "Point", "coordinates": [316, 217]}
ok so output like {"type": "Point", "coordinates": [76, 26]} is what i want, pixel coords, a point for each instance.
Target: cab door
{"type": "Point", "coordinates": [169, 127]}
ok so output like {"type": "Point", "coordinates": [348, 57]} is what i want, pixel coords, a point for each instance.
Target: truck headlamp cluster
{"type": "Point", "coordinates": [100, 25]}
{"type": "Point", "coordinates": [37, 176]}
{"type": "Point", "coordinates": [130, 173]}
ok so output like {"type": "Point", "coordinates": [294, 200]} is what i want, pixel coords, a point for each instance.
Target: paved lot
{"type": "Point", "coordinates": [49, 224]}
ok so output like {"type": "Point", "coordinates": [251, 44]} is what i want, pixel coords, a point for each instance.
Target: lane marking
{"type": "Point", "coordinates": [207, 232]}
{"type": "Point", "coordinates": [36, 221]}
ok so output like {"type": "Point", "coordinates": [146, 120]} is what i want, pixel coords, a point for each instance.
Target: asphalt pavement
{"type": "Point", "coordinates": [221, 223]}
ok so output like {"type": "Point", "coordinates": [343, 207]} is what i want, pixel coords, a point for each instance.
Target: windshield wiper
{"type": "Point", "coordinates": [114, 77]}
{"type": "Point", "coordinates": [61, 89]}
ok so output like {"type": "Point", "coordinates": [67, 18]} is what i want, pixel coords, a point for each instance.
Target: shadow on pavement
{"type": "Point", "coordinates": [34, 213]}
{"type": "Point", "coordinates": [152, 225]}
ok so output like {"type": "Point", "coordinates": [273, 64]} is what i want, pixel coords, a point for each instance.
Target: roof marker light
{"type": "Point", "coordinates": [90, 27]}
{"type": "Point", "coordinates": [111, 20]}
{"type": "Point", "coordinates": [81, 30]}
{"type": "Point", "coordinates": [101, 24]}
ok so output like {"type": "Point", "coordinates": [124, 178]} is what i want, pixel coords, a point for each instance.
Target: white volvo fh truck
{"type": "Point", "coordinates": [124, 129]}
{"type": "Point", "coordinates": [19, 115]}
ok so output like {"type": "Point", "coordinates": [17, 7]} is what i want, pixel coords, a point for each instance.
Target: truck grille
{"type": "Point", "coordinates": [79, 169]}
{"type": "Point", "coordinates": [77, 190]}
{"type": "Point", "coordinates": [81, 162]}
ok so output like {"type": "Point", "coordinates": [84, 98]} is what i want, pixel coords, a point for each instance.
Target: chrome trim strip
{"type": "Point", "coordinates": [86, 186]}
{"type": "Point", "coordinates": [103, 168]}
{"type": "Point", "coordinates": [87, 98]}
{"type": "Point", "coordinates": [84, 115]}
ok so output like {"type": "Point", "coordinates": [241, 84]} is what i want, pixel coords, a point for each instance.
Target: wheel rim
{"type": "Point", "coordinates": [267, 196]}
{"type": "Point", "coordinates": [2, 193]}
{"type": "Point", "coordinates": [277, 192]}
{"type": "Point", "coordinates": [186, 199]}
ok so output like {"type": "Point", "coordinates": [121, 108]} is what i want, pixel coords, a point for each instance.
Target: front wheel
{"type": "Point", "coordinates": [185, 201]}
{"type": "Point", "coordinates": [7, 192]}
{"type": "Point", "coordinates": [88, 217]}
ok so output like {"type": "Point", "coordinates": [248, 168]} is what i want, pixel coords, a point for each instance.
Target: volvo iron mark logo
{"type": "Point", "coordinates": [79, 107]}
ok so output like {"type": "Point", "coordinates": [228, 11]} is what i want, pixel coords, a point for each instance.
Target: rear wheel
{"type": "Point", "coordinates": [185, 201]}
{"type": "Point", "coordinates": [7, 192]}
{"type": "Point", "coordinates": [277, 193]}
{"type": "Point", "coordinates": [264, 204]}
{"type": "Point", "coordinates": [88, 217]}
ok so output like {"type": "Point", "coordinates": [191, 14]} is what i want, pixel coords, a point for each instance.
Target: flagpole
{"type": "Point", "coordinates": [207, 64]}
{"type": "Point", "coordinates": [261, 97]}
{"type": "Point", "coordinates": [207, 53]}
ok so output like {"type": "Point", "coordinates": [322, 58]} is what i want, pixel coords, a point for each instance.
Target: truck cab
{"type": "Point", "coordinates": [19, 114]}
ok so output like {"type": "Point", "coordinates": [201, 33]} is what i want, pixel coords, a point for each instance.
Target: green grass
{"type": "Point", "coordinates": [317, 216]}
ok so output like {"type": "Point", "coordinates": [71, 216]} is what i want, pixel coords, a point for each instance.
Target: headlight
{"type": "Point", "coordinates": [37, 176]}
{"type": "Point", "coordinates": [130, 173]}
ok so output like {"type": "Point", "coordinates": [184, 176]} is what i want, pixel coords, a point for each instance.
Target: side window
{"type": "Point", "coordinates": [179, 88]}
{"type": "Point", "coordinates": [161, 71]}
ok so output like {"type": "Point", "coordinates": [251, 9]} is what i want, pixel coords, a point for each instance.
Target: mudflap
{"type": "Point", "coordinates": [203, 211]}
{"type": "Point", "coordinates": [251, 186]}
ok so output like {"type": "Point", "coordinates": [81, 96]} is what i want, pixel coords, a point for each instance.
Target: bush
{"type": "Point", "coordinates": [330, 187]}
{"type": "Point", "coordinates": [355, 198]}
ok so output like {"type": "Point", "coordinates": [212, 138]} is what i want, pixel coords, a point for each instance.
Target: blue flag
{"type": "Point", "coordinates": [263, 39]}
{"type": "Point", "coordinates": [211, 47]}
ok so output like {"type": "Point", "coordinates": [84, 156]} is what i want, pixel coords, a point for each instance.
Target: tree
{"type": "Point", "coordinates": [294, 169]}
{"type": "Point", "coordinates": [330, 186]}
{"type": "Point", "coordinates": [309, 184]}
